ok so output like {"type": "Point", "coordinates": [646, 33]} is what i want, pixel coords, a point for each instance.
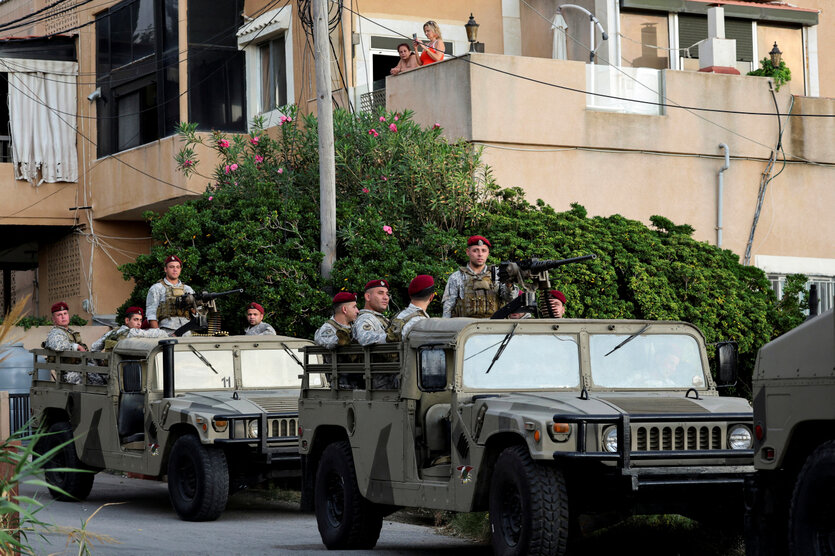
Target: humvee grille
{"type": "Point", "coordinates": [284, 427]}
{"type": "Point", "coordinates": [692, 437]}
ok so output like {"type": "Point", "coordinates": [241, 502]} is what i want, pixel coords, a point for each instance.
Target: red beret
{"type": "Point", "coordinates": [257, 306]}
{"type": "Point", "coordinates": [419, 283]}
{"type": "Point", "coordinates": [60, 306]}
{"type": "Point", "coordinates": [478, 240]}
{"type": "Point", "coordinates": [172, 259]}
{"type": "Point", "coordinates": [344, 297]}
{"type": "Point", "coordinates": [377, 284]}
{"type": "Point", "coordinates": [557, 294]}
{"type": "Point", "coordinates": [134, 311]}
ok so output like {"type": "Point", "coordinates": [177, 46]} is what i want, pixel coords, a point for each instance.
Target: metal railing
{"type": "Point", "coordinates": [369, 102]}
{"type": "Point", "coordinates": [18, 411]}
{"type": "Point", "coordinates": [5, 148]}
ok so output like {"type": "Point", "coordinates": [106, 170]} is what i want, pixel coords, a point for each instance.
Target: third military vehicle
{"type": "Point", "coordinates": [213, 414]}
{"type": "Point", "coordinates": [541, 422]}
{"type": "Point", "coordinates": [790, 501]}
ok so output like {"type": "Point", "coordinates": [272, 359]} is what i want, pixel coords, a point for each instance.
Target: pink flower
{"type": "Point", "coordinates": [393, 127]}
{"type": "Point", "coordinates": [281, 170]}
{"type": "Point", "coordinates": [233, 167]}
{"type": "Point", "coordinates": [388, 230]}
{"type": "Point", "coordinates": [437, 125]}
{"type": "Point", "coordinates": [396, 118]}
{"type": "Point", "coordinates": [187, 163]}
{"type": "Point", "coordinates": [226, 169]}
{"type": "Point", "coordinates": [365, 190]}
{"type": "Point", "coordinates": [385, 178]}
{"type": "Point", "coordinates": [372, 131]}
{"type": "Point", "coordinates": [211, 197]}
{"type": "Point", "coordinates": [382, 119]}
{"type": "Point", "coordinates": [259, 159]}
{"type": "Point", "coordinates": [223, 144]}
{"type": "Point", "coordinates": [254, 141]}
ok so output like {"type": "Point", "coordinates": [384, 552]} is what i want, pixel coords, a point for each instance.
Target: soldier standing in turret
{"type": "Point", "coordinates": [257, 326]}
{"type": "Point", "coordinates": [131, 329]}
{"type": "Point", "coordinates": [470, 291]}
{"type": "Point", "coordinates": [160, 305]}
{"type": "Point", "coordinates": [337, 330]}
{"type": "Point", "coordinates": [371, 324]}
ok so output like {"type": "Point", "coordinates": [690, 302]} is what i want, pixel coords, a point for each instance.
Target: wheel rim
{"type": "Point", "coordinates": [511, 514]}
{"type": "Point", "coordinates": [186, 478]}
{"type": "Point", "coordinates": [335, 499]}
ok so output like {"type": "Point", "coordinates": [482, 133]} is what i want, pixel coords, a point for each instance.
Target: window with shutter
{"type": "Point", "coordinates": [693, 28]}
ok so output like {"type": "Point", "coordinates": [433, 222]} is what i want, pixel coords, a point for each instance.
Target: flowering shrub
{"type": "Point", "coordinates": [407, 199]}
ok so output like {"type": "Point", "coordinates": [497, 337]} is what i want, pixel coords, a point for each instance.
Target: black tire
{"type": "Point", "coordinates": [812, 511]}
{"type": "Point", "coordinates": [76, 484]}
{"type": "Point", "coordinates": [346, 520]}
{"type": "Point", "coordinates": [528, 506]}
{"type": "Point", "coordinates": [198, 480]}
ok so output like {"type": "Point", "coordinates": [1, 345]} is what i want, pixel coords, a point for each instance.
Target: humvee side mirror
{"type": "Point", "coordinates": [432, 368]}
{"type": "Point", "coordinates": [726, 363]}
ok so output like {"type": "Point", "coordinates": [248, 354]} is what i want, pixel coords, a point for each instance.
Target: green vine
{"type": "Point", "coordinates": [781, 74]}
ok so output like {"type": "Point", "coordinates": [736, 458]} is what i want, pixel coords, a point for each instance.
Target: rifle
{"type": "Point", "coordinates": [204, 313]}
{"type": "Point", "coordinates": [530, 275]}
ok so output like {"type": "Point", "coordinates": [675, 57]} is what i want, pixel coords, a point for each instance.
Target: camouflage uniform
{"type": "Point", "coordinates": [471, 294]}
{"type": "Point", "coordinates": [370, 327]}
{"type": "Point", "coordinates": [109, 340]}
{"type": "Point", "coordinates": [261, 329]}
{"type": "Point", "coordinates": [332, 334]}
{"type": "Point", "coordinates": [66, 339]}
{"type": "Point", "coordinates": [404, 321]}
{"type": "Point", "coordinates": [157, 309]}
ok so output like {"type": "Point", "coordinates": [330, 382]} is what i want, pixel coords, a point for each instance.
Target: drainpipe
{"type": "Point", "coordinates": [719, 194]}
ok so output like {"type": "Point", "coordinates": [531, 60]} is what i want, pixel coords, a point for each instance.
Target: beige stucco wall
{"type": "Point", "coordinates": [25, 204]}
{"type": "Point", "coordinates": [545, 140]}
{"type": "Point", "coordinates": [826, 44]}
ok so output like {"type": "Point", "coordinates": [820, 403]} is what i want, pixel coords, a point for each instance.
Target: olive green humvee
{"type": "Point", "coordinates": [214, 414]}
{"type": "Point", "coordinates": [790, 500]}
{"type": "Point", "coordinates": [541, 422]}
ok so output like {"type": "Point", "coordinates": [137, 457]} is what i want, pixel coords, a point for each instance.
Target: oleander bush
{"type": "Point", "coordinates": [407, 199]}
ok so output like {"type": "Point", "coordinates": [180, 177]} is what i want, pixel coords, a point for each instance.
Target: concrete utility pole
{"type": "Point", "coordinates": [327, 161]}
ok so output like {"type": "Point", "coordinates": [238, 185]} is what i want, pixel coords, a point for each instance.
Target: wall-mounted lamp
{"type": "Point", "coordinates": [776, 55]}
{"type": "Point", "coordinates": [472, 35]}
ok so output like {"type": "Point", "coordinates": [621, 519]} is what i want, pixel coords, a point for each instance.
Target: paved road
{"type": "Point", "coordinates": [251, 525]}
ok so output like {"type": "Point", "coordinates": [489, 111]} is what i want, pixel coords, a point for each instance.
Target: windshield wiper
{"type": "Point", "coordinates": [203, 359]}
{"type": "Point", "coordinates": [503, 345]}
{"type": "Point", "coordinates": [629, 339]}
{"type": "Point", "coordinates": [291, 354]}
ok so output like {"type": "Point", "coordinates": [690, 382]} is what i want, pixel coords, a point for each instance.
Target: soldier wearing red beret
{"type": "Point", "coordinates": [371, 324]}
{"type": "Point", "coordinates": [160, 306]}
{"type": "Point", "coordinates": [421, 293]}
{"type": "Point", "coordinates": [337, 330]}
{"type": "Point", "coordinates": [556, 299]}
{"type": "Point", "coordinates": [63, 338]}
{"type": "Point", "coordinates": [470, 291]}
{"type": "Point", "coordinates": [257, 326]}
{"type": "Point", "coordinates": [131, 329]}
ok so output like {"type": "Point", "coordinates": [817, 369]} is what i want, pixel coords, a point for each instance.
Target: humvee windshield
{"type": "Point", "coordinates": [529, 361]}
{"type": "Point", "coordinates": [260, 368]}
{"type": "Point", "coordinates": [646, 361]}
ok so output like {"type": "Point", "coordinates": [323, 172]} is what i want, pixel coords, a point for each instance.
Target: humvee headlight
{"type": "Point", "coordinates": [739, 438]}
{"type": "Point", "coordinates": [610, 439]}
{"type": "Point", "coordinates": [252, 428]}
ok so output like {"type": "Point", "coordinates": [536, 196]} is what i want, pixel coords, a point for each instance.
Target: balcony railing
{"type": "Point", "coordinates": [369, 102]}
{"type": "Point", "coordinates": [641, 84]}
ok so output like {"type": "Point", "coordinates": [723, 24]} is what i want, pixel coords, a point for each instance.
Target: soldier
{"type": "Point", "coordinates": [470, 291]}
{"type": "Point", "coordinates": [257, 326]}
{"type": "Point", "coordinates": [63, 338]}
{"type": "Point", "coordinates": [370, 326]}
{"type": "Point", "coordinates": [421, 293]}
{"type": "Point", "coordinates": [557, 302]}
{"type": "Point", "coordinates": [161, 306]}
{"type": "Point", "coordinates": [337, 330]}
{"type": "Point", "coordinates": [131, 329]}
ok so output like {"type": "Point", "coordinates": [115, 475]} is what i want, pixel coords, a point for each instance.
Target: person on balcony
{"type": "Point", "coordinates": [408, 59]}
{"type": "Point", "coordinates": [434, 51]}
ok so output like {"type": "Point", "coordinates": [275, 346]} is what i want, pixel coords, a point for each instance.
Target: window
{"type": "Point", "coordinates": [136, 69]}
{"type": "Point", "coordinates": [273, 74]}
{"type": "Point", "coordinates": [825, 286]}
{"type": "Point", "coordinates": [216, 67]}
{"type": "Point", "coordinates": [693, 28]}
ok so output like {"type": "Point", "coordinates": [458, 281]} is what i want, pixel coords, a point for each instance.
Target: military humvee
{"type": "Point", "coordinates": [790, 501]}
{"type": "Point", "coordinates": [538, 421]}
{"type": "Point", "coordinates": [214, 414]}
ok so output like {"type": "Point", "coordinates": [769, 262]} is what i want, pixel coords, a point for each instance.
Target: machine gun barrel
{"type": "Point", "coordinates": [208, 296]}
{"type": "Point", "coordinates": [535, 266]}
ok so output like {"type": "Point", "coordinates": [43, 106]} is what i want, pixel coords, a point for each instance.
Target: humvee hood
{"type": "Point", "coordinates": [248, 402]}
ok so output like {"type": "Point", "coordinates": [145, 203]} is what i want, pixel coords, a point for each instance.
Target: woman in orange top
{"type": "Point", "coordinates": [434, 51]}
